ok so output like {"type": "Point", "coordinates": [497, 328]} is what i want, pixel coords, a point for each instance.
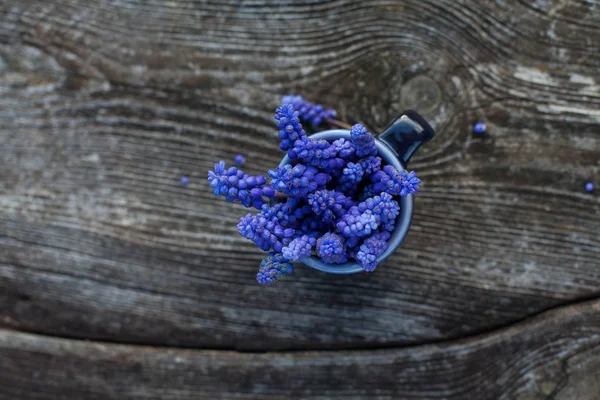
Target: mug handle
{"type": "Point", "coordinates": [406, 134]}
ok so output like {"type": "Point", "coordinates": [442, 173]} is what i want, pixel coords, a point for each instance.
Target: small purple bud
{"type": "Point", "coordinates": [261, 180]}
{"type": "Point", "coordinates": [277, 247]}
{"type": "Point", "coordinates": [479, 128]}
{"type": "Point", "coordinates": [321, 179]}
{"type": "Point", "coordinates": [220, 167]}
{"type": "Point", "coordinates": [289, 232]}
{"type": "Point", "coordinates": [239, 159]}
{"type": "Point", "coordinates": [589, 187]}
{"type": "Point", "coordinates": [269, 192]}
{"type": "Point", "coordinates": [250, 181]}
{"type": "Point", "coordinates": [185, 180]}
{"type": "Point", "coordinates": [256, 193]}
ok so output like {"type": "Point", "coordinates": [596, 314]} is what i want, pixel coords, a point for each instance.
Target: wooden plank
{"type": "Point", "coordinates": [552, 356]}
{"type": "Point", "coordinates": [105, 105]}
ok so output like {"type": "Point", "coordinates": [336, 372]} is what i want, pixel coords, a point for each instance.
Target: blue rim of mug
{"type": "Point", "coordinates": [402, 223]}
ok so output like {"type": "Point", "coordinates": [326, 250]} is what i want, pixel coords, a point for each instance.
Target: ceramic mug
{"type": "Point", "coordinates": [395, 146]}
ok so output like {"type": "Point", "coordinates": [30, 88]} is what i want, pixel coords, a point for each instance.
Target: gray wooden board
{"type": "Point", "coordinates": [105, 105]}
{"type": "Point", "coordinates": [554, 355]}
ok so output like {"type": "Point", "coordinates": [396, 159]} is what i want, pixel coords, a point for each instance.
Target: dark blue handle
{"type": "Point", "coordinates": [406, 134]}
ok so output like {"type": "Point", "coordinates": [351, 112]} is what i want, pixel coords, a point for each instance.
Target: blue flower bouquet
{"type": "Point", "coordinates": [337, 200]}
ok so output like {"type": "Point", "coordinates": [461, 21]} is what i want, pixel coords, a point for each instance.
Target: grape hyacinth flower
{"type": "Point", "coordinates": [290, 213]}
{"type": "Point", "coordinates": [316, 152]}
{"type": "Point", "coordinates": [369, 215]}
{"type": "Point", "coordinates": [363, 141]}
{"type": "Point", "coordinates": [357, 223]}
{"type": "Point", "coordinates": [289, 126]}
{"type": "Point", "coordinates": [265, 230]}
{"type": "Point", "coordinates": [299, 180]}
{"type": "Point", "coordinates": [370, 164]}
{"type": "Point", "coordinates": [350, 180]}
{"type": "Point", "coordinates": [395, 182]}
{"type": "Point", "coordinates": [384, 207]}
{"type": "Point", "coordinates": [314, 114]}
{"type": "Point", "coordinates": [331, 248]}
{"type": "Point", "coordinates": [351, 177]}
{"type": "Point", "coordinates": [237, 186]}
{"type": "Point", "coordinates": [273, 268]}
{"type": "Point", "coordinates": [300, 247]}
{"type": "Point", "coordinates": [343, 148]}
{"type": "Point", "coordinates": [371, 249]}
{"type": "Point", "coordinates": [329, 204]}
{"type": "Point", "coordinates": [336, 200]}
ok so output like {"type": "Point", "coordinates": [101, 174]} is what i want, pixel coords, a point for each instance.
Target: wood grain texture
{"type": "Point", "coordinates": [106, 104]}
{"type": "Point", "coordinates": [555, 355]}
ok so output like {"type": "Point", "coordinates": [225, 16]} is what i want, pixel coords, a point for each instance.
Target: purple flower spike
{"type": "Point", "coordinates": [384, 208]}
{"type": "Point", "coordinates": [237, 186]}
{"type": "Point", "coordinates": [351, 177]}
{"type": "Point", "coordinates": [344, 148]}
{"type": "Point", "coordinates": [314, 114]}
{"type": "Point", "coordinates": [297, 181]}
{"type": "Point", "coordinates": [371, 249]}
{"type": "Point", "coordinates": [356, 223]}
{"type": "Point", "coordinates": [315, 152]}
{"type": "Point", "coordinates": [363, 141]}
{"type": "Point", "coordinates": [329, 204]}
{"type": "Point", "coordinates": [299, 248]}
{"type": "Point", "coordinates": [289, 126]}
{"type": "Point", "coordinates": [395, 182]}
{"type": "Point", "coordinates": [370, 164]}
{"type": "Point", "coordinates": [290, 213]}
{"type": "Point", "coordinates": [265, 230]}
{"type": "Point", "coordinates": [332, 249]}
{"type": "Point", "coordinates": [273, 268]}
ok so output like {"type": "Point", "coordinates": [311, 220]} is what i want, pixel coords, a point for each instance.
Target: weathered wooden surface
{"type": "Point", "coordinates": [555, 355]}
{"type": "Point", "coordinates": [106, 104]}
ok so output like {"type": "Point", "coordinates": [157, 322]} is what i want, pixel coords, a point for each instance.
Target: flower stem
{"type": "Point", "coordinates": [281, 195]}
{"type": "Point", "coordinates": [341, 124]}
